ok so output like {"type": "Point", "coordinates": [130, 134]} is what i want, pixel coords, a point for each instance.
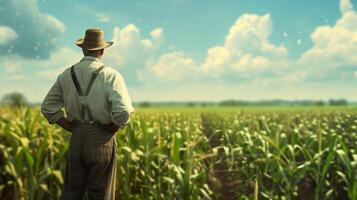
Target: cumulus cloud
{"type": "Point", "coordinates": [46, 68]}
{"type": "Point", "coordinates": [130, 49]}
{"type": "Point", "coordinates": [7, 35]}
{"type": "Point", "coordinates": [172, 67]}
{"type": "Point", "coordinates": [173, 64]}
{"type": "Point", "coordinates": [246, 47]}
{"type": "Point", "coordinates": [246, 52]}
{"type": "Point", "coordinates": [245, 55]}
{"type": "Point", "coordinates": [37, 33]}
{"type": "Point", "coordinates": [333, 47]}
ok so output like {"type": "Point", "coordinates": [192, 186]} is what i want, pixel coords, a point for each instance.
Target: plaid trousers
{"type": "Point", "coordinates": [91, 164]}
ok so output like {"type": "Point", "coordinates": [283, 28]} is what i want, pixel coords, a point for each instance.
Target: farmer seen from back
{"type": "Point", "coordinates": [97, 104]}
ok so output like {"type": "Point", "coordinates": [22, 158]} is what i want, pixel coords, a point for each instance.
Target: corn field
{"type": "Point", "coordinates": [191, 155]}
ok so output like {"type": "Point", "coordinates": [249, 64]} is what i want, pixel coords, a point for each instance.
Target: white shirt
{"type": "Point", "coordinates": [108, 99]}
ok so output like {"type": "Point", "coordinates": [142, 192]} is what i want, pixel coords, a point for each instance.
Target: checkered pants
{"type": "Point", "coordinates": [91, 164]}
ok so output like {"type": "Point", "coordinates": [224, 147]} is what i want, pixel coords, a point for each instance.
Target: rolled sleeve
{"type": "Point", "coordinates": [53, 103]}
{"type": "Point", "coordinates": [120, 101]}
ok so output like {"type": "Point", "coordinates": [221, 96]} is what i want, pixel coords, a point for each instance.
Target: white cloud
{"type": "Point", "coordinates": [250, 34]}
{"type": "Point", "coordinates": [130, 49]}
{"type": "Point", "coordinates": [7, 35]}
{"type": "Point", "coordinates": [45, 68]}
{"type": "Point", "coordinates": [56, 24]}
{"type": "Point", "coordinates": [296, 76]}
{"type": "Point", "coordinates": [246, 47]}
{"type": "Point", "coordinates": [217, 58]}
{"type": "Point", "coordinates": [156, 34]}
{"type": "Point", "coordinates": [51, 74]}
{"type": "Point", "coordinates": [345, 6]}
{"type": "Point", "coordinates": [37, 33]}
{"type": "Point", "coordinates": [248, 62]}
{"type": "Point", "coordinates": [58, 62]}
{"type": "Point", "coordinates": [11, 67]}
{"type": "Point", "coordinates": [333, 47]}
{"type": "Point", "coordinates": [174, 66]}
{"type": "Point", "coordinates": [34, 77]}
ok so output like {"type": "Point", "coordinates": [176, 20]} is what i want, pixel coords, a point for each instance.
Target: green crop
{"type": "Point", "coordinates": [195, 155]}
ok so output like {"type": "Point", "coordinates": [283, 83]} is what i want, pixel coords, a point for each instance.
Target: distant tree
{"type": "Point", "coordinates": [191, 104]}
{"type": "Point", "coordinates": [338, 102]}
{"type": "Point", "coordinates": [204, 104]}
{"type": "Point", "coordinates": [228, 103]}
{"type": "Point", "coordinates": [232, 102]}
{"type": "Point", "coordinates": [14, 99]}
{"type": "Point", "coordinates": [319, 103]}
{"type": "Point", "coordinates": [145, 104]}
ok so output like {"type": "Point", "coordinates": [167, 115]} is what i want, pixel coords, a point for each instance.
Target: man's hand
{"type": "Point", "coordinates": [111, 127]}
{"type": "Point", "coordinates": [65, 124]}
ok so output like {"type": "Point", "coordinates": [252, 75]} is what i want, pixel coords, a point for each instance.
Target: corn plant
{"type": "Point", "coordinates": [195, 155]}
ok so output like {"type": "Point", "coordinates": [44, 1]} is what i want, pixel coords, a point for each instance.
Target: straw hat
{"type": "Point", "coordinates": [93, 40]}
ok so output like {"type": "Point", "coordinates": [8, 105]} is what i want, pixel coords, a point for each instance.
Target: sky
{"type": "Point", "coordinates": [188, 50]}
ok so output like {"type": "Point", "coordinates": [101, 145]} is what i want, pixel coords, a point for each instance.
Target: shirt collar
{"type": "Point", "coordinates": [91, 58]}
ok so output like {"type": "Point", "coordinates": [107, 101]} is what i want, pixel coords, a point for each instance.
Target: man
{"type": "Point", "coordinates": [97, 104]}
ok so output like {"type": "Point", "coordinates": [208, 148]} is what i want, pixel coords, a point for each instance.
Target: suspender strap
{"type": "Point", "coordinates": [94, 75]}
{"type": "Point", "coordinates": [90, 116]}
{"type": "Point", "coordinates": [84, 107]}
{"type": "Point", "coordinates": [75, 81]}
{"type": "Point", "coordinates": [91, 81]}
{"type": "Point", "coordinates": [83, 111]}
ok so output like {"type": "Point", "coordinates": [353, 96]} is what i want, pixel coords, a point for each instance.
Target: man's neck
{"type": "Point", "coordinates": [94, 57]}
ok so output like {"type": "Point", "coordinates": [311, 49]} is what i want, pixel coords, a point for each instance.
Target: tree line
{"type": "Point", "coordinates": [17, 99]}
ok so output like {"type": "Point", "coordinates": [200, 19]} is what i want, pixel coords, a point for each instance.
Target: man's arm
{"type": "Point", "coordinates": [65, 124]}
{"type": "Point", "coordinates": [52, 105]}
{"type": "Point", "coordinates": [111, 127]}
{"type": "Point", "coordinates": [121, 104]}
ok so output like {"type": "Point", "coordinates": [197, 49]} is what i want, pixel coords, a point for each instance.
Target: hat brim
{"type": "Point", "coordinates": [80, 43]}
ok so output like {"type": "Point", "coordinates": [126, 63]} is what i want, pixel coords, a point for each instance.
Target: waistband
{"type": "Point", "coordinates": [77, 122]}
{"type": "Point", "coordinates": [89, 129]}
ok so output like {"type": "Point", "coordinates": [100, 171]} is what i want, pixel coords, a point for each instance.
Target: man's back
{"type": "Point", "coordinates": [108, 95]}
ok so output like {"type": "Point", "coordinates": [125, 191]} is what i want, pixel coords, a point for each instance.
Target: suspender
{"type": "Point", "coordinates": [94, 75]}
{"type": "Point", "coordinates": [75, 81]}
{"type": "Point", "coordinates": [91, 81]}
{"type": "Point", "coordinates": [84, 107]}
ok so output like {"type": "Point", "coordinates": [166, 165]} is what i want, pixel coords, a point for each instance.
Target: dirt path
{"type": "Point", "coordinates": [225, 182]}
{"type": "Point", "coordinates": [225, 186]}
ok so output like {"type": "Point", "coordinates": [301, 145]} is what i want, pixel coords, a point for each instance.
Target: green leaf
{"type": "Point", "coordinates": [58, 175]}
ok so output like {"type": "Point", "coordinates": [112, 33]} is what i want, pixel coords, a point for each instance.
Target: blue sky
{"type": "Point", "coordinates": [188, 50]}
